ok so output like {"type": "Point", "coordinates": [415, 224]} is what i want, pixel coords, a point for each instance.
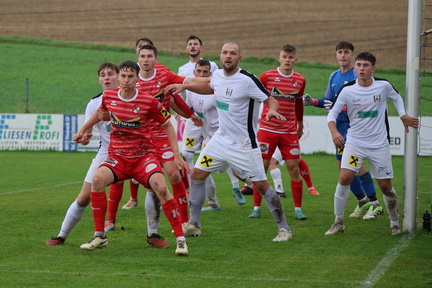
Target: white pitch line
{"type": "Point", "coordinates": [38, 188]}
{"type": "Point", "coordinates": [386, 262]}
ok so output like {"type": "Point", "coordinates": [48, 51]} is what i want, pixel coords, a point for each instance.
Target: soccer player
{"type": "Point", "coordinates": [362, 183]}
{"type": "Point", "coordinates": [238, 95]}
{"type": "Point", "coordinates": [132, 152]}
{"type": "Point", "coordinates": [107, 76]}
{"type": "Point", "coordinates": [368, 137]}
{"type": "Point", "coordinates": [287, 87]}
{"type": "Point", "coordinates": [193, 134]}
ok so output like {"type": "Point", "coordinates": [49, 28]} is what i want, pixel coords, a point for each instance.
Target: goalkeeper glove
{"type": "Point", "coordinates": [327, 104]}
{"type": "Point", "coordinates": [307, 100]}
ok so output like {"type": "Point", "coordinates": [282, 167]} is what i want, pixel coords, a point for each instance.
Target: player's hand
{"type": "Point", "coordinates": [103, 115]}
{"type": "Point", "coordinates": [82, 137]}
{"type": "Point", "coordinates": [338, 140]}
{"type": "Point", "coordinates": [327, 104]}
{"type": "Point", "coordinates": [308, 100]}
{"type": "Point", "coordinates": [174, 88]}
{"type": "Point", "coordinates": [272, 113]}
{"type": "Point", "coordinates": [197, 120]}
{"type": "Point", "coordinates": [409, 121]}
{"type": "Point", "coordinates": [182, 165]}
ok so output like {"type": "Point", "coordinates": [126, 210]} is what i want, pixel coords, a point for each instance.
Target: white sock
{"type": "Point", "coordinates": [277, 179]}
{"type": "Point", "coordinates": [153, 211]}
{"type": "Point", "coordinates": [72, 217]}
{"type": "Point", "coordinates": [341, 199]}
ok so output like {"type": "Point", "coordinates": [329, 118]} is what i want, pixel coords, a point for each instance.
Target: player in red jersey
{"type": "Point", "coordinates": [132, 152]}
{"type": "Point", "coordinates": [287, 87]}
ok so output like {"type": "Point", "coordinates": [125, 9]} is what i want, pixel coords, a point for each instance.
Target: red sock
{"type": "Point", "coordinates": [257, 197]}
{"type": "Point", "coordinates": [115, 195]}
{"type": "Point", "coordinates": [171, 211]}
{"type": "Point", "coordinates": [133, 189]}
{"type": "Point", "coordinates": [99, 207]}
{"type": "Point", "coordinates": [304, 172]}
{"type": "Point", "coordinates": [297, 192]}
{"type": "Point", "coordinates": [179, 192]}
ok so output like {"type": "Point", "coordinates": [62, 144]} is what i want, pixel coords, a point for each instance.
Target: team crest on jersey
{"type": "Point", "coordinates": [136, 109]}
{"type": "Point", "coordinates": [158, 84]}
{"type": "Point", "coordinates": [264, 147]}
{"type": "Point", "coordinates": [353, 161]}
{"type": "Point", "coordinates": [377, 98]}
{"type": "Point", "coordinates": [206, 161]}
{"type": "Point", "coordinates": [131, 123]}
{"type": "Point", "coordinates": [295, 84]}
{"type": "Point", "coordinates": [229, 92]}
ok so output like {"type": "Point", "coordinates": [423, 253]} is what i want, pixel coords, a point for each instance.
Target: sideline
{"type": "Point", "coordinates": [39, 188]}
{"type": "Point", "coordinates": [386, 262]}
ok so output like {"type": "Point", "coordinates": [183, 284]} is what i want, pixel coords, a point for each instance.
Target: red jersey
{"type": "Point", "coordinates": [131, 135]}
{"type": "Point", "coordinates": [156, 86]}
{"type": "Point", "coordinates": [288, 91]}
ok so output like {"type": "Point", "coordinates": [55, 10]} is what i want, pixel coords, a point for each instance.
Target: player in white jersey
{"type": "Point", "coordinates": [238, 96]}
{"type": "Point", "coordinates": [107, 73]}
{"type": "Point", "coordinates": [367, 138]}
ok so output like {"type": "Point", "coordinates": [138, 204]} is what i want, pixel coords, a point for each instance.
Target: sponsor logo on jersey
{"type": "Point", "coordinates": [206, 161]}
{"type": "Point", "coordinates": [132, 123]}
{"type": "Point", "coordinates": [367, 114]}
{"type": "Point", "coordinates": [160, 95]}
{"type": "Point", "coordinates": [277, 93]}
{"type": "Point", "coordinates": [190, 142]}
{"type": "Point", "coordinates": [222, 105]}
{"type": "Point", "coordinates": [150, 167]}
{"type": "Point", "coordinates": [353, 161]}
{"type": "Point", "coordinates": [110, 161]}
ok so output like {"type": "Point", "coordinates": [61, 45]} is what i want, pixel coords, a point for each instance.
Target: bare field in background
{"type": "Point", "coordinates": [260, 27]}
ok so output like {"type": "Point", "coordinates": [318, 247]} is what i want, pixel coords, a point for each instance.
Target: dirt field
{"type": "Point", "coordinates": [260, 27]}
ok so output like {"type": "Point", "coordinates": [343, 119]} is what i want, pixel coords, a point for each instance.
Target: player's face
{"type": "Point", "coordinates": [147, 59]}
{"type": "Point", "coordinates": [287, 60]}
{"type": "Point", "coordinates": [193, 48]}
{"type": "Point", "coordinates": [202, 71]}
{"type": "Point", "coordinates": [364, 69]}
{"type": "Point", "coordinates": [108, 79]}
{"type": "Point", "coordinates": [139, 45]}
{"type": "Point", "coordinates": [344, 57]}
{"type": "Point", "coordinates": [127, 79]}
{"type": "Point", "coordinates": [230, 57]}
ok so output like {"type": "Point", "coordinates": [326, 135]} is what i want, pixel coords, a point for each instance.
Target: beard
{"type": "Point", "coordinates": [229, 69]}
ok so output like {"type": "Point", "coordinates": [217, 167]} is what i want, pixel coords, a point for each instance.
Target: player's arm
{"type": "Point", "coordinates": [299, 111]}
{"type": "Point", "coordinates": [200, 88]}
{"type": "Point", "coordinates": [407, 120]}
{"type": "Point", "coordinates": [84, 134]}
{"type": "Point", "coordinates": [337, 138]}
{"type": "Point", "coordinates": [273, 108]}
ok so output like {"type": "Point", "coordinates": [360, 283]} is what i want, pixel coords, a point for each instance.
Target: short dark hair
{"type": "Point", "coordinates": [366, 56]}
{"type": "Point", "coordinates": [193, 37]}
{"type": "Point", "coordinates": [345, 45]}
{"type": "Point", "coordinates": [289, 48]}
{"type": "Point", "coordinates": [145, 40]}
{"type": "Point", "coordinates": [108, 65]}
{"type": "Point", "coordinates": [132, 65]}
{"type": "Point", "coordinates": [203, 62]}
{"type": "Point", "coordinates": [150, 47]}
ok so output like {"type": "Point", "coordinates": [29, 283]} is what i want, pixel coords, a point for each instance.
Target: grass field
{"type": "Point", "coordinates": [233, 251]}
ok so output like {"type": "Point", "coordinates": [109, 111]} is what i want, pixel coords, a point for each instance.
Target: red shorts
{"type": "Point", "coordinates": [164, 151]}
{"type": "Point", "coordinates": [288, 144]}
{"type": "Point", "coordinates": [139, 168]}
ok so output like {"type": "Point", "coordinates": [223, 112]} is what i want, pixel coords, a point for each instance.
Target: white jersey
{"type": "Point", "coordinates": [238, 98]}
{"type": "Point", "coordinates": [187, 69]}
{"type": "Point", "coordinates": [104, 127]}
{"type": "Point", "coordinates": [205, 107]}
{"type": "Point", "coordinates": [367, 112]}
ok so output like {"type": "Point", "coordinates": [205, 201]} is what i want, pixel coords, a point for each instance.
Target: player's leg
{"type": "Point", "coordinates": [375, 207]}
{"type": "Point", "coordinates": [104, 177]}
{"type": "Point", "coordinates": [276, 175]}
{"type": "Point", "coordinates": [133, 199]}
{"type": "Point", "coordinates": [296, 187]}
{"type": "Point", "coordinates": [213, 204]}
{"type": "Point", "coordinates": [114, 196]}
{"type": "Point", "coordinates": [178, 188]}
{"type": "Point", "coordinates": [305, 174]}
{"type": "Point", "coordinates": [256, 212]}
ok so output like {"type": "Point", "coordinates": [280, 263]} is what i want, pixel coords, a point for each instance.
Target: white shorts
{"type": "Point", "coordinates": [99, 158]}
{"type": "Point", "coordinates": [192, 136]}
{"type": "Point", "coordinates": [278, 156]}
{"type": "Point", "coordinates": [217, 157]}
{"type": "Point", "coordinates": [380, 164]}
